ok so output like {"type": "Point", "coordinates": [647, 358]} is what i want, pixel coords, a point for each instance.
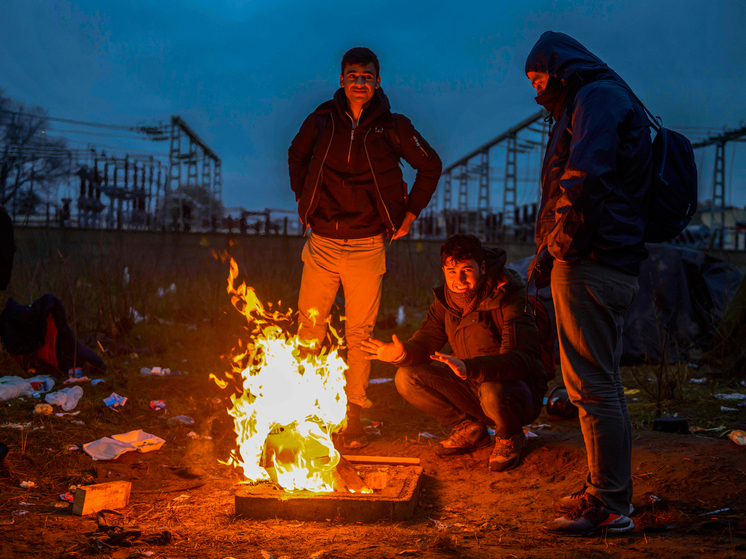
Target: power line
{"type": "Point", "coordinates": [85, 123]}
{"type": "Point", "coordinates": [101, 134]}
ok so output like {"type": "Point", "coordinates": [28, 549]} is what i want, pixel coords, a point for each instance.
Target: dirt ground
{"type": "Point", "coordinates": [182, 501]}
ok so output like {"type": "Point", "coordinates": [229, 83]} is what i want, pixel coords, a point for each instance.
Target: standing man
{"type": "Point", "coordinates": [589, 237]}
{"type": "Point", "coordinates": [344, 171]}
{"type": "Point", "coordinates": [493, 375]}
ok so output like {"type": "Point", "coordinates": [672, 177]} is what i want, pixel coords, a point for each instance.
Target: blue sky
{"type": "Point", "coordinates": [244, 74]}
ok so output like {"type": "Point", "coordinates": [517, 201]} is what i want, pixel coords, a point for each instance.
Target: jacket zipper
{"type": "Point", "coordinates": [321, 170]}
{"type": "Point", "coordinates": [417, 143]}
{"type": "Point", "coordinates": [349, 151]}
{"type": "Point", "coordinates": [375, 181]}
{"type": "Point", "coordinates": [352, 136]}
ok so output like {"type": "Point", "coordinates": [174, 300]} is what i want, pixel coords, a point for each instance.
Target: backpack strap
{"type": "Point", "coordinates": [392, 136]}
{"type": "Point", "coordinates": [320, 123]}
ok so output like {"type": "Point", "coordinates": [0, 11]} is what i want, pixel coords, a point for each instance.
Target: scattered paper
{"type": "Point", "coordinates": [75, 380]}
{"type": "Point", "coordinates": [698, 380]}
{"type": "Point", "coordinates": [726, 408]}
{"type": "Point", "coordinates": [108, 448]}
{"type": "Point", "coordinates": [732, 397]}
{"type": "Point", "coordinates": [63, 414]}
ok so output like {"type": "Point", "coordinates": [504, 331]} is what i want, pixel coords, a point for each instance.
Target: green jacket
{"type": "Point", "coordinates": [497, 341]}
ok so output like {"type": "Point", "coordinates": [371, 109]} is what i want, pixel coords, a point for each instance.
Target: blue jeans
{"type": "Point", "coordinates": [590, 300]}
{"type": "Point", "coordinates": [508, 405]}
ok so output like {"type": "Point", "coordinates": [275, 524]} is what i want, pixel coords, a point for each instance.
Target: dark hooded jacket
{"type": "Point", "coordinates": [347, 181]}
{"type": "Point", "coordinates": [597, 167]}
{"type": "Point", "coordinates": [497, 341]}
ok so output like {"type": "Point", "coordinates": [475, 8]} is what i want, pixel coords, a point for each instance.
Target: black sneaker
{"type": "Point", "coordinates": [507, 452]}
{"type": "Point", "coordinates": [466, 436]}
{"type": "Point", "coordinates": [577, 499]}
{"type": "Point", "coordinates": [590, 518]}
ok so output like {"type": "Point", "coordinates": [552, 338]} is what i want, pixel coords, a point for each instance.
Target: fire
{"type": "Point", "coordinates": [293, 399]}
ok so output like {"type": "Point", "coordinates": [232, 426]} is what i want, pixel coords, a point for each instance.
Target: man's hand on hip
{"type": "Point", "coordinates": [405, 226]}
{"type": "Point", "coordinates": [382, 351]}
{"type": "Point", "coordinates": [457, 366]}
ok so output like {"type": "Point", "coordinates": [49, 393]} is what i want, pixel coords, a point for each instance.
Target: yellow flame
{"type": "Point", "coordinates": [293, 399]}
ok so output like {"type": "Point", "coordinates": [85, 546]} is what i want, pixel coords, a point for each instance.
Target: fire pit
{"type": "Point", "coordinates": [396, 490]}
{"type": "Point", "coordinates": [288, 404]}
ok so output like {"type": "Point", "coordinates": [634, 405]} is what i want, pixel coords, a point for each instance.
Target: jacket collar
{"type": "Point", "coordinates": [496, 282]}
{"type": "Point", "coordinates": [378, 105]}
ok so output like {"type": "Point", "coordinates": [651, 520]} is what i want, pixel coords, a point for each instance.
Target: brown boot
{"type": "Point", "coordinates": [465, 436]}
{"type": "Point", "coordinates": [507, 453]}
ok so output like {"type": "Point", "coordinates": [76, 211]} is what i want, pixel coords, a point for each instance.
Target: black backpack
{"type": "Point", "coordinates": [672, 200]}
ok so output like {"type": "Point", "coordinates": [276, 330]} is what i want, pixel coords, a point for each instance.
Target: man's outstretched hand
{"type": "Point", "coordinates": [382, 351]}
{"type": "Point", "coordinates": [457, 366]}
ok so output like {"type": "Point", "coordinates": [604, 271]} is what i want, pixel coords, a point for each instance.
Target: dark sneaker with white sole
{"type": "Point", "coordinates": [588, 519]}
{"type": "Point", "coordinates": [577, 499]}
{"type": "Point", "coordinates": [466, 436]}
{"type": "Point", "coordinates": [507, 452]}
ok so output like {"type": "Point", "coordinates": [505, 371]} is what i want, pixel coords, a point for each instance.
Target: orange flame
{"type": "Point", "coordinates": [293, 399]}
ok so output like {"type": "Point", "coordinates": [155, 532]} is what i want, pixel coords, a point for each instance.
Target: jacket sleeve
{"type": "Point", "coordinates": [430, 337]}
{"type": "Point", "coordinates": [300, 153]}
{"type": "Point", "coordinates": [519, 350]}
{"type": "Point", "coordinates": [423, 159]}
{"type": "Point", "coordinates": [588, 175]}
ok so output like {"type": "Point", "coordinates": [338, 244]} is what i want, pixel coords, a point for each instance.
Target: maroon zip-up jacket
{"type": "Point", "coordinates": [347, 181]}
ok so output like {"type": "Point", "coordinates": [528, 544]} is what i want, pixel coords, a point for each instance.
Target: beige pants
{"type": "Point", "coordinates": [358, 266]}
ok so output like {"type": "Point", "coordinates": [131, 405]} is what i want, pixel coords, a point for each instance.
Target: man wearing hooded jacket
{"type": "Point", "coordinates": [589, 235]}
{"type": "Point", "coordinates": [493, 375]}
{"type": "Point", "coordinates": [344, 171]}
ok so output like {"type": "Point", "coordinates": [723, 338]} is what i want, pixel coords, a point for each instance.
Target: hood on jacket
{"type": "Point", "coordinates": [378, 105]}
{"type": "Point", "coordinates": [564, 58]}
{"type": "Point", "coordinates": [495, 259]}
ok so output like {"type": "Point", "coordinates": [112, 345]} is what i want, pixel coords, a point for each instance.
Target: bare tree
{"type": "Point", "coordinates": [31, 162]}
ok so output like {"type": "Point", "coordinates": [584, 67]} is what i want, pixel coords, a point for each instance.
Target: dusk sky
{"type": "Point", "coordinates": [244, 74]}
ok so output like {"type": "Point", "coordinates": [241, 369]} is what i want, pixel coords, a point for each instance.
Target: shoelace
{"type": "Point", "coordinates": [580, 509]}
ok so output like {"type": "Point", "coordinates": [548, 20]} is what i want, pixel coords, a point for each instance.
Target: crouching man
{"type": "Point", "coordinates": [494, 375]}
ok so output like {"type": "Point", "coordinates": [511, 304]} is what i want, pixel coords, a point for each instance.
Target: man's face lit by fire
{"type": "Point", "coordinates": [360, 82]}
{"type": "Point", "coordinates": [463, 275]}
{"type": "Point", "coordinates": [539, 80]}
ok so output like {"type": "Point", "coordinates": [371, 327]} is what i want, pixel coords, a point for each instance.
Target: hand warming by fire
{"type": "Point", "coordinates": [293, 400]}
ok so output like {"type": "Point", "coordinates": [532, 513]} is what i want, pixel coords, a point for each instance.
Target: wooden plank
{"type": "Point", "coordinates": [388, 460]}
{"type": "Point", "coordinates": [93, 498]}
{"type": "Point", "coordinates": [351, 478]}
